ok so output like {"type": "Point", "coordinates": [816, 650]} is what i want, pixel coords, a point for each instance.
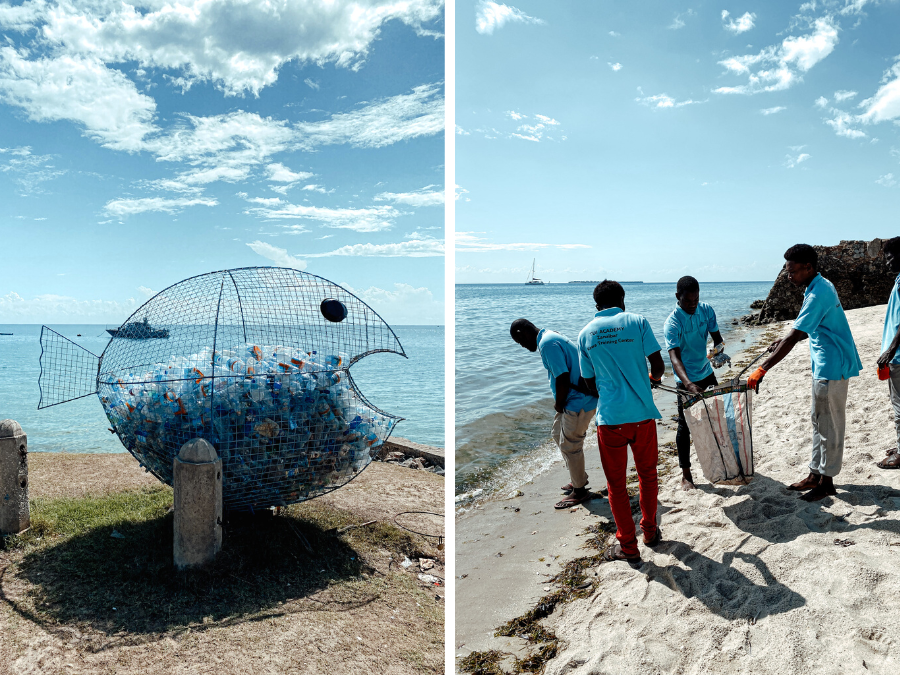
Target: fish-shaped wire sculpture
{"type": "Point", "coordinates": [255, 360]}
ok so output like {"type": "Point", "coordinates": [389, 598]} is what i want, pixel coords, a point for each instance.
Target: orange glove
{"type": "Point", "coordinates": [754, 380]}
{"type": "Point", "coordinates": [654, 382]}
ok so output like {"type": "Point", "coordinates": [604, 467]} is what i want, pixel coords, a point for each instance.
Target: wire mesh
{"type": "Point", "coordinates": [68, 370]}
{"type": "Point", "coordinates": [246, 359]}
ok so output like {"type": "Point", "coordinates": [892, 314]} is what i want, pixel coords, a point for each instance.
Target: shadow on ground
{"type": "Point", "coordinates": [778, 515]}
{"type": "Point", "coordinates": [129, 584]}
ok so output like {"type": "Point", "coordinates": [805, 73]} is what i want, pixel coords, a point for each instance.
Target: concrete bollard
{"type": "Point", "coordinates": [14, 514]}
{"type": "Point", "coordinates": [197, 480]}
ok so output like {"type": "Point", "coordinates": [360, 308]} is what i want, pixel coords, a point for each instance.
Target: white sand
{"type": "Point", "coordinates": [749, 579]}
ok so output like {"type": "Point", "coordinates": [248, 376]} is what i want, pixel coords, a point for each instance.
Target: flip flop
{"type": "Point", "coordinates": [614, 552]}
{"type": "Point", "coordinates": [571, 501]}
{"type": "Point", "coordinates": [892, 461]}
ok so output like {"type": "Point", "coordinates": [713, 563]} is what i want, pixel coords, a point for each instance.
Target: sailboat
{"type": "Point", "coordinates": [533, 280]}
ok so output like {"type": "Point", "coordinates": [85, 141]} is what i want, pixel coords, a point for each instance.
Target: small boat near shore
{"type": "Point", "coordinates": [533, 280]}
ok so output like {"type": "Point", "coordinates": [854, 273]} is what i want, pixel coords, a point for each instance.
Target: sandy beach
{"type": "Point", "coordinates": [748, 579]}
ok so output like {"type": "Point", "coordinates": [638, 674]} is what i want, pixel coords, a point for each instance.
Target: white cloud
{"type": "Point", "coordinates": [311, 83]}
{"type": "Point", "coordinates": [414, 248]}
{"type": "Point", "coordinates": [418, 198]}
{"type": "Point", "coordinates": [238, 45]}
{"type": "Point", "coordinates": [492, 15]}
{"type": "Point", "coordinates": [372, 219]}
{"type": "Point", "coordinates": [467, 242]}
{"type": "Point", "coordinates": [516, 116]}
{"type": "Point", "coordinates": [664, 101]}
{"type": "Point", "coordinates": [887, 180]}
{"type": "Point", "coordinates": [776, 68]}
{"type": "Point", "coordinates": [741, 25]}
{"type": "Point", "coordinates": [885, 104]}
{"type": "Point", "coordinates": [27, 170]}
{"type": "Point", "coordinates": [822, 102]}
{"type": "Point", "coordinates": [547, 120]}
{"type": "Point", "coordinates": [130, 207]}
{"type": "Point", "coordinates": [279, 173]}
{"type": "Point", "coordinates": [405, 304]}
{"type": "Point", "coordinates": [279, 256]}
{"type": "Point", "coordinates": [790, 162]}
{"type": "Point", "coordinates": [79, 89]}
{"type": "Point", "coordinates": [145, 291]}
{"type": "Point", "coordinates": [843, 124]}
{"type": "Point", "coordinates": [772, 111]}
{"type": "Point", "coordinates": [678, 21]}
{"type": "Point", "coordinates": [613, 33]}
{"type": "Point", "coordinates": [615, 66]}
{"type": "Point", "coordinates": [843, 95]}
{"type": "Point", "coordinates": [389, 121]}
{"type": "Point", "coordinates": [51, 309]}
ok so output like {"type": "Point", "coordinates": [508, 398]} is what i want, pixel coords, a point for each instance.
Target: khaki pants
{"type": "Point", "coordinates": [829, 411]}
{"type": "Point", "coordinates": [569, 431]}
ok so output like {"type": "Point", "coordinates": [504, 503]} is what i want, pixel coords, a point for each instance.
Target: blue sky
{"type": "Point", "coordinates": [649, 140]}
{"type": "Point", "coordinates": [146, 141]}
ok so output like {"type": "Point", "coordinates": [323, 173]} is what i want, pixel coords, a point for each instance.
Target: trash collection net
{"type": "Point", "coordinates": [248, 360]}
{"type": "Point", "coordinates": [68, 370]}
{"type": "Point", "coordinates": [720, 423]}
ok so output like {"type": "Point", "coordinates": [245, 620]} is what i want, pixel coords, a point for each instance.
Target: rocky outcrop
{"type": "Point", "coordinates": [857, 270]}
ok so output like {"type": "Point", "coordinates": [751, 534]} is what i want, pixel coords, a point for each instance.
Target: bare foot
{"type": "Point", "coordinates": [687, 485]}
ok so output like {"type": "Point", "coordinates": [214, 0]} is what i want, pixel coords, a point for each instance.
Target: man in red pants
{"type": "Point", "coordinates": [613, 352]}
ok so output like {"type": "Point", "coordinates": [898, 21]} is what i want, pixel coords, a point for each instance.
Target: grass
{"type": "Point", "coordinates": [76, 573]}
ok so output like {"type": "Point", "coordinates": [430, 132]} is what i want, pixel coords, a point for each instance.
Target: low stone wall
{"type": "Point", "coordinates": [857, 270]}
{"type": "Point", "coordinates": [395, 446]}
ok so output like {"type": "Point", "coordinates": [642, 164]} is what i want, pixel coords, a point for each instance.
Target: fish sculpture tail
{"type": "Point", "coordinates": [68, 370]}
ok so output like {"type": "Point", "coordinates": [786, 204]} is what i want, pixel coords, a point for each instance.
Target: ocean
{"type": "Point", "coordinates": [503, 404]}
{"type": "Point", "coordinates": [412, 388]}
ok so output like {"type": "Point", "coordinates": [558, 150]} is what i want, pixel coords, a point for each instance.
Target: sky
{"type": "Point", "coordinates": [146, 141]}
{"type": "Point", "coordinates": [655, 139]}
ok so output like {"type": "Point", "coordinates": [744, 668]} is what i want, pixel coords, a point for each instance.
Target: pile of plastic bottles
{"type": "Point", "coordinates": [286, 423]}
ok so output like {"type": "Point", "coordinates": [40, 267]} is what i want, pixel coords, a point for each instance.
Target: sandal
{"type": "Point", "coordinates": [572, 500]}
{"type": "Point", "coordinates": [614, 552]}
{"type": "Point", "coordinates": [568, 487]}
{"type": "Point", "coordinates": [656, 540]}
{"type": "Point", "coordinates": [892, 461]}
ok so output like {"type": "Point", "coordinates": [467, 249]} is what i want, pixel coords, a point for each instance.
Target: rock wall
{"type": "Point", "coordinates": [857, 270]}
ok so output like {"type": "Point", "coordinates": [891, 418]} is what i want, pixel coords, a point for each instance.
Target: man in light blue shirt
{"type": "Point", "coordinates": [686, 331]}
{"type": "Point", "coordinates": [613, 352]}
{"type": "Point", "coordinates": [834, 361]}
{"type": "Point", "coordinates": [890, 340]}
{"type": "Point", "coordinates": [574, 406]}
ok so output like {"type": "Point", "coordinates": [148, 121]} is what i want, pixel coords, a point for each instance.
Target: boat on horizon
{"type": "Point", "coordinates": [533, 280]}
{"type": "Point", "coordinates": [138, 330]}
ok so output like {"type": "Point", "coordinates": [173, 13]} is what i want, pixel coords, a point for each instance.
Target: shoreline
{"type": "Point", "coordinates": [509, 546]}
{"type": "Point", "coordinates": [526, 467]}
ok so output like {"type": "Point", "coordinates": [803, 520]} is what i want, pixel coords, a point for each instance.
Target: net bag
{"type": "Point", "coordinates": [254, 360]}
{"type": "Point", "coordinates": [720, 423]}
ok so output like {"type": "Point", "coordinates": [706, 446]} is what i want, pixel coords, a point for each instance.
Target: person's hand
{"type": "Point", "coordinates": [654, 382]}
{"type": "Point", "coordinates": [754, 380]}
{"type": "Point", "coordinates": [886, 357]}
{"type": "Point", "coordinates": [559, 408]}
{"type": "Point", "coordinates": [772, 347]}
{"type": "Point", "coordinates": [693, 388]}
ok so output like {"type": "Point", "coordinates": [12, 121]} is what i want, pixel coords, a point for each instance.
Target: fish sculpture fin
{"type": "Point", "coordinates": [68, 370]}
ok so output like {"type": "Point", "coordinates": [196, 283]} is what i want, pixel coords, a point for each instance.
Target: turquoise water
{"type": "Point", "coordinates": [503, 406]}
{"type": "Point", "coordinates": [386, 380]}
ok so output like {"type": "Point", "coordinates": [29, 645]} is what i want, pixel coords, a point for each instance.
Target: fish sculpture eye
{"type": "Point", "coordinates": [333, 310]}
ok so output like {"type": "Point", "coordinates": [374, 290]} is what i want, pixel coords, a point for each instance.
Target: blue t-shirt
{"type": "Point", "coordinates": [560, 355]}
{"type": "Point", "coordinates": [689, 333]}
{"type": "Point", "coordinates": [614, 348]}
{"type": "Point", "coordinates": [892, 320]}
{"type": "Point", "coordinates": [831, 346]}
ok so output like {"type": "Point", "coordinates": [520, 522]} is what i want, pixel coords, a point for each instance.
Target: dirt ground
{"type": "Point", "coordinates": [384, 622]}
